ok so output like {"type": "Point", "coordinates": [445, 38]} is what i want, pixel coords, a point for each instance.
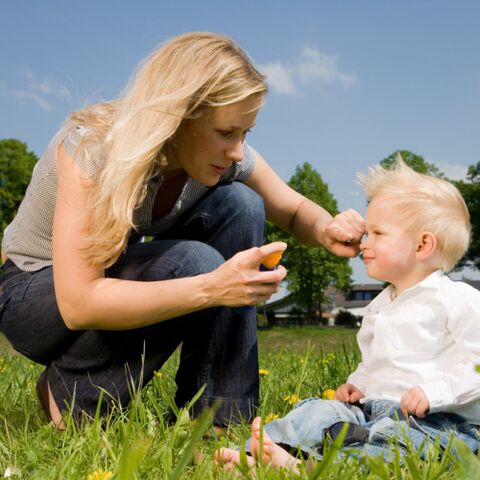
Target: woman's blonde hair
{"type": "Point", "coordinates": [423, 203]}
{"type": "Point", "coordinates": [186, 75]}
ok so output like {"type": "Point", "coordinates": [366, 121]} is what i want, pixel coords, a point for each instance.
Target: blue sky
{"type": "Point", "coordinates": [351, 81]}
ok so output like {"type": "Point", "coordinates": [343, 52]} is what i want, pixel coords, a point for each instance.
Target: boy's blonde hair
{"type": "Point", "coordinates": [423, 203]}
{"type": "Point", "coordinates": [187, 75]}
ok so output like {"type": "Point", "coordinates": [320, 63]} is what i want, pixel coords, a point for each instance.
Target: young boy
{"type": "Point", "coordinates": [419, 339]}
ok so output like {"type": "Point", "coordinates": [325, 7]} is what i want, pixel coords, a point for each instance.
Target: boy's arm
{"type": "Point", "coordinates": [460, 383]}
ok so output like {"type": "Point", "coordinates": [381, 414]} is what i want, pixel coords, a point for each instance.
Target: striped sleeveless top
{"type": "Point", "coordinates": [27, 240]}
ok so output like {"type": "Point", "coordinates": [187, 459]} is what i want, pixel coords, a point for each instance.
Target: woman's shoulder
{"type": "Point", "coordinates": [81, 144]}
{"type": "Point", "coordinates": [73, 136]}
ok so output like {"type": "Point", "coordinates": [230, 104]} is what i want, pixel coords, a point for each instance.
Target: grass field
{"type": "Point", "coordinates": [140, 443]}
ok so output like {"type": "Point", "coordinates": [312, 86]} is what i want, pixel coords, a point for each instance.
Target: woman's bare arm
{"type": "Point", "coordinates": [306, 220]}
{"type": "Point", "coordinates": [87, 299]}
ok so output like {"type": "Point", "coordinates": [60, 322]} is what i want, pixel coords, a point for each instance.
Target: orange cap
{"type": "Point", "coordinates": [270, 261]}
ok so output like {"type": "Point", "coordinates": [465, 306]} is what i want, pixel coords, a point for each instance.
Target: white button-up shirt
{"type": "Point", "coordinates": [427, 336]}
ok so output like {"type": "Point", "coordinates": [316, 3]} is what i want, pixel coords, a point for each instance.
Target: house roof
{"type": "Point", "coordinates": [367, 287]}
{"type": "Point", "coordinates": [289, 301]}
{"type": "Point", "coordinates": [286, 302]}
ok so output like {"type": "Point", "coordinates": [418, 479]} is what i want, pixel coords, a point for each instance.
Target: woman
{"type": "Point", "coordinates": [168, 159]}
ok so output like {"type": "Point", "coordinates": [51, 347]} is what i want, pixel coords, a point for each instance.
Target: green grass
{"type": "Point", "coordinates": [5, 347]}
{"type": "Point", "coordinates": [297, 339]}
{"type": "Point", "coordinates": [140, 443]}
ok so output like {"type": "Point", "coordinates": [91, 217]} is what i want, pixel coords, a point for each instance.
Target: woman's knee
{"type": "Point", "coordinates": [250, 203]}
{"type": "Point", "coordinates": [243, 216]}
{"type": "Point", "coordinates": [185, 258]}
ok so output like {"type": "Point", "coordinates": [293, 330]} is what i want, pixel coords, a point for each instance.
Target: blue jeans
{"type": "Point", "coordinates": [304, 427]}
{"type": "Point", "coordinates": [219, 345]}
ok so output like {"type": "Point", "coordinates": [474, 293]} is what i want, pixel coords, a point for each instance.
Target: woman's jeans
{"type": "Point", "coordinates": [219, 345]}
{"type": "Point", "coordinates": [305, 427]}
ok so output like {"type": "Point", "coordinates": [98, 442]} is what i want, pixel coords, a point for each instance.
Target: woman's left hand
{"type": "Point", "coordinates": [342, 236]}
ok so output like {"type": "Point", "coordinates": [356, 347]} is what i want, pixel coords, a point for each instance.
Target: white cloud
{"type": "Point", "coordinates": [279, 78]}
{"type": "Point", "coordinates": [452, 171]}
{"type": "Point", "coordinates": [311, 67]}
{"type": "Point", "coordinates": [45, 87]}
{"type": "Point", "coordinates": [41, 92]}
{"type": "Point", "coordinates": [317, 66]}
{"type": "Point", "coordinates": [41, 102]}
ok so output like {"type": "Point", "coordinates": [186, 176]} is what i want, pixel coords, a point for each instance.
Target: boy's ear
{"type": "Point", "coordinates": [426, 246]}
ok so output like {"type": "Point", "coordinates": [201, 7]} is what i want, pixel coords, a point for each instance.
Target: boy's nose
{"type": "Point", "coordinates": [363, 243]}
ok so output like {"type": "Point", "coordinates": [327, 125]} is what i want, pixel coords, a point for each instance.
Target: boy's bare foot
{"type": "Point", "coordinates": [269, 451]}
{"type": "Point", "coordinates": [229, 458]}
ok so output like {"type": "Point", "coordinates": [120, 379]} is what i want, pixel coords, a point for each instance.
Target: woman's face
{"type": "Point", "coordinates": [207, 146]}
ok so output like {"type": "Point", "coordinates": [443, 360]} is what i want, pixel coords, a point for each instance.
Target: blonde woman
{"type": "Point", "coordinates": [168, 159]}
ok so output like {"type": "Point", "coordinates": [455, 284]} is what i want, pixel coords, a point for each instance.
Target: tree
{"type": "Point", "coordinates": [414, 161]}
{"type": "Point", "coordinates": [16, 165]}
{"type": "Point", "coordinates": [470, 190]}
{"type": "Point", "coordinates": [311, 270]}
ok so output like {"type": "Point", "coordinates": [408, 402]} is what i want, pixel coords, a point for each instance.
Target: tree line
{"type": "Point", "coordinates": [310, 270]}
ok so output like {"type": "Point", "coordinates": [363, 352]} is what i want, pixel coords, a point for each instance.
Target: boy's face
{"type": "Point", "coordinates": [388, 249]}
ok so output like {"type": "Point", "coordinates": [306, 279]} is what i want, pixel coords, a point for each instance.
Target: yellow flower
{"type": "Point", "coordinates": [263, 372]}
{"type": "Point", "coordinates": [270, 417]}
{"type": "Point", "coordinates": [100, 474]}
{"type": "Point", "coordinates": [292, 399]}
{"type": "Point", "coordinates": [328, 394]}
{"type": "Point", "coordinates": [330, 357]}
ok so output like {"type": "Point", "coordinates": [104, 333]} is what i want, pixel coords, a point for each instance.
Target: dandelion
{"type": "Point", "coordinates": [270, 417]}
{"type": "Point", "coordinates": [328, 394]}
{"type": "Point", "coordinates": [100, 474]}
{"type": "Point", "coordinates": [263, 372]}
{"type": "Point", "coordinates": [292, 399]}
{"type": "Point", "coordinates": [330, 357]}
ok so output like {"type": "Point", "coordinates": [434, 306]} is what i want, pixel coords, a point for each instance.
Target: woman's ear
{"type": "Point", "coordinates": [426, 246]}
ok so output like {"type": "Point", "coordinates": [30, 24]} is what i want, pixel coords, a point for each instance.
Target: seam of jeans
{"type": "Point", "coordinates": [337, 411]}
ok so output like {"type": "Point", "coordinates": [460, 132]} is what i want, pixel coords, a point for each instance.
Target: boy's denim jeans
{"type": "Point", "coordinates": [304, 427]}
{"type": "Point", "coordinates": [219, 345]}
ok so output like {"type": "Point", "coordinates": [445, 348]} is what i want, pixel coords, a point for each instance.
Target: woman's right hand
{"type": "Point", "coordinates": [239, 282]}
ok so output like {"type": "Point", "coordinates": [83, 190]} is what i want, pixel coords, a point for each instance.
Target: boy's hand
{"type": "Point", "coordinates": [415, 402]}
{"type": "Point", "coordinates": [348, 393]}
